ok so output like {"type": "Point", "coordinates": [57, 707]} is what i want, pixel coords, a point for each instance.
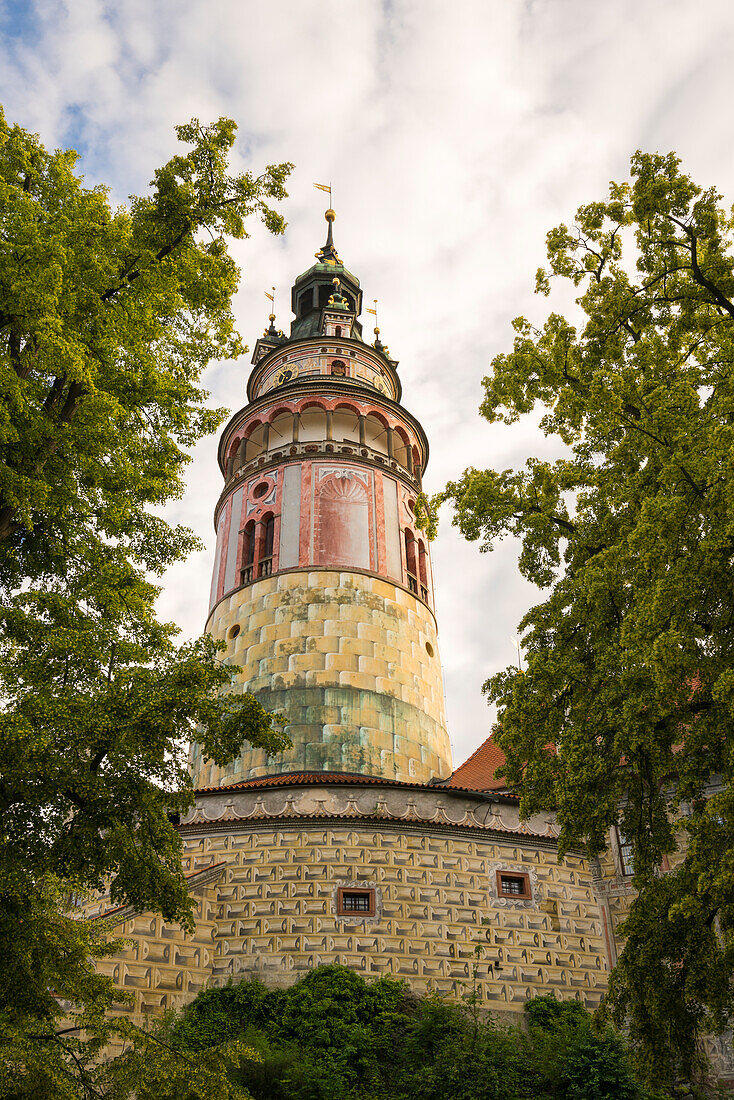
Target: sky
{"type": "Point", "coordinates": [455, 133]}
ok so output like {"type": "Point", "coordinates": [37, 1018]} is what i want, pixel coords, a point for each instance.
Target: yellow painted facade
{"type": "Point", "coordinates": [266, 865]}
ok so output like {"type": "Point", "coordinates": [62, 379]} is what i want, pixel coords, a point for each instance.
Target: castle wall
{"type": "Point", "coordinates": [352, 663]}
{"type": "Point", "coordinates": [267, 864]}
{"type": "Point", "coordinates": [434, 894]}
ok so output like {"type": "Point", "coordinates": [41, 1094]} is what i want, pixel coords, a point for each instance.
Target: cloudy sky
{"type": "Point", "coordinates": [456, 133]}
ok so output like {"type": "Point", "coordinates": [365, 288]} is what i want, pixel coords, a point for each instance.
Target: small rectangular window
{"type": "Point", "coordinates": [513, 885]}
{"type": "Point", "coordinates": [353, 902]}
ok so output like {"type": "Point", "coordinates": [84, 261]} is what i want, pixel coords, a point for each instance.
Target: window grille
{"type": "Point", "coordinates": [355, 902]}
{"type": "Point", "coordinates": [510, 885]}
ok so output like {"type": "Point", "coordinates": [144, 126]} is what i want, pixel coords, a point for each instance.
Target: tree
{"type": "Point", "coordinates": [334, 1036]}
{"type": "Point", "coordinates": [107, 318]}
{"type": "Point", "coordinates": [624, 710]}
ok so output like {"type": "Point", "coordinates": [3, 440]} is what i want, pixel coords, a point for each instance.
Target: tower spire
{"type": "Point", "coordinates": [272, 330]}
{"type": "Point", "coordinates": [328, 254]}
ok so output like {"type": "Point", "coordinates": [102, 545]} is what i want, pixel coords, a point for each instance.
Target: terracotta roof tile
{"type": "Point", "coordinates": [478, 772]}
{"type": "Point", "coordinates": [292, 779]}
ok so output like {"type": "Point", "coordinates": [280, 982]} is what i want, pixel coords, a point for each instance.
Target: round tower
{"type": "Point", "coordinates": [322, 586]}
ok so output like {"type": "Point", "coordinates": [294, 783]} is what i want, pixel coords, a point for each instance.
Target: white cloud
{"type": "Point", "coordinates": [455, 135]}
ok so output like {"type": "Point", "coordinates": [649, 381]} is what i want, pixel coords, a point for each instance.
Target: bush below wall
{"type": "Point", "coordinates": [333, 1036]}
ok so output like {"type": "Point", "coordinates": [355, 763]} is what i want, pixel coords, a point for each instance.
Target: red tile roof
{"type": "Point", "coordinates": [293, 778]}
{"type": "Point", "coordinates": [477, 773]}
{"type": "Point", "coordinates": [478, 778]}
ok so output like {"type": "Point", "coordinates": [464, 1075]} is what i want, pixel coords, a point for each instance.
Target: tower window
{"type": "Point", "coordinates": [265, 564]}
{"type": "Point", "coordinates": [625, 852]}
{"type": "Point", "coordinates": [352, 902]}
{"type": "Point", "coordinates": [248, 553]}
{"type": "Point", "coordinates": [511, 885]}
{"type": "Point", "coordinates": [338, 330]}
{"type": "Point", "coordinates": [410, 563]}
{"type": "Point", "coordinates": [305, 302]}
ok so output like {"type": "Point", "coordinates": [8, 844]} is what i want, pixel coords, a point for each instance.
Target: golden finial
{"type": "Point", "coordinates": [328, 253]}
{"type": "Point", "coordinates": [271, 318]}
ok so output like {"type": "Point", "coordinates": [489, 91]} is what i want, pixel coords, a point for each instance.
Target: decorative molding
{"type": "Point", "coordinates": [429, 807]}
{"type": "Point", "coordinates": [510, 902]}
{"type": "Point", "coordinates": [356, 918]}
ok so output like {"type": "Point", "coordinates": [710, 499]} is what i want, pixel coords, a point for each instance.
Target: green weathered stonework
{"type": "Point", "coordinates": [352, 664]}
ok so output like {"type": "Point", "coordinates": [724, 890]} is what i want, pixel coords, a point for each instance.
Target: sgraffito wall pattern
{"type": "Point", "coordinates": [265, 866]}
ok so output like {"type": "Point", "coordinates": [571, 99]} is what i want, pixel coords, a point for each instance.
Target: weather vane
{"type": "Point", "coordinates": [325, 187]}
{"type": "Point", "coordinates": [374, 312]}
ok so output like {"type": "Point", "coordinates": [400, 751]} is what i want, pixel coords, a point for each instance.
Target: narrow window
{"type": "Point", "coordinates": [625, 853]}
{"type": "Point", "coordinates": [410, 564]}
{"type": "Point", "coordinates": [265, 565]}
{"type": "Point", "coordinates": [513, 885]}
{"type": "Point", "coordinates": [248, 553]}
{"type": "Point", "coordinates": [355, 902]}
{"type": "Point", "coordinates": [423, 570]}
{"type": "Point", "coordinates": [338, 330]}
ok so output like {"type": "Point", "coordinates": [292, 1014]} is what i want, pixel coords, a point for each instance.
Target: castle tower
{"type": "Point", "coordinates": [322, 585]}
{"type": "Point", "coordinates": [358, 846]}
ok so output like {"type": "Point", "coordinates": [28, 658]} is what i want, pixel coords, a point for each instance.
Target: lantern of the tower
{"type": "Point", "coordinates": [322, 586]}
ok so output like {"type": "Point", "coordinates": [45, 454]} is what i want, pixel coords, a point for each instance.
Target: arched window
{"type": "Point", "coordinates": [410, 563]}
{"type": "Point", "coordinates": [232, 457]}
{"type": "Point", "coordinates": [312, 424]}
{"type": "Point", "coordinates": [422, 569]}
{"type": "Point", "coordinates": [281, 430]}
{"type": "Point", "coordinates": [376, 433]}
{"type": "Point", "coordinates": [345, 425]}
{"type": "Point", "coordinates": [265, 564]}
{"type": "Point", "coordinates": [255, 434]}
{"type": "Point", "coordinates": [248, 553]}
{"type": "Point", "coordinates": [401, 448]}
{"type": "Point", "coordinates": [338, 330]}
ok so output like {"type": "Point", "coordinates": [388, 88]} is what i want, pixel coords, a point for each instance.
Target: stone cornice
{"type": "Point", "coordinates": [423, 810]}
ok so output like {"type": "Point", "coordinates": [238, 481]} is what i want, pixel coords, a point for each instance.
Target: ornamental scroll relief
{"type": "Point", "coordinates": [429, 807]}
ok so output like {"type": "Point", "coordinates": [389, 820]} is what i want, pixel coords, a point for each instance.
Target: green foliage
{"type": "Point", "coordinates": [625, 707]}
{"type": "Point", "coordinates": [107, 319]}
{"type": "Point", "coordinates": [575, 1060]}
{"type": "Point", "coordinates": [333, 1036]}
{"type": "Point", "coordinates": [154, 1067]}
{"type": "Point", "coordinates": [51, 999]}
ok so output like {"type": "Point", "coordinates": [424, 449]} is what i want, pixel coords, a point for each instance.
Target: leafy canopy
{"type": "Point", "coordinates": [334, 1036]}
{"type": "Point", "coordinates": [627, 698]}
{"type": "Point", "coordinates": [107, 319]}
